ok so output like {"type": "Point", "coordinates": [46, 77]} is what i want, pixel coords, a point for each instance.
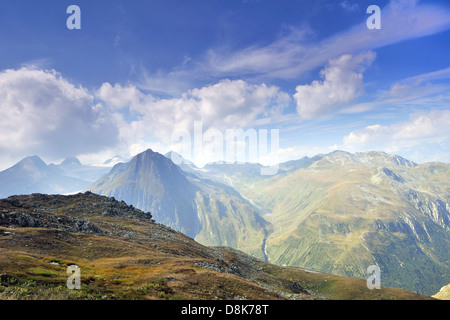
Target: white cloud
{"type": "Point", "coordinates": [277, 59]}
{"type": "Point", "coordinates": [237, 104]}
{"type": "Point", "coordinates": [342, 83]}
{"type": "Point", "coordinates": [430, 127]}
{"type": "Point", "coordinates": [227, 104]}
{"type": "Point", "coordinates": [415, 92]}
{"type": "Point", "coordinates": [292, 55]}
{"type": "Point", "coordinates": [435, 75]}
{"type": "Point", "coordinates": [372, 137]}
{"type": "Point", "coordinates": [120, 97]}
{"type": "Point", "coordinates": [44, 114]}
{"type": "Point", "coordinates": [295, 153]}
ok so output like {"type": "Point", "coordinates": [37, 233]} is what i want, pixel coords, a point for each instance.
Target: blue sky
{"type": "Point", "coordinates": [138, 71]}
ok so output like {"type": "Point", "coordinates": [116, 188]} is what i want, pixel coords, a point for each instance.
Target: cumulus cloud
{"type": "Point", "coordinates": [342, 83]}
{"type": "Point", "coordinates": [212, 109]}
{"type": "Point", "coordinates": [226, 104]}
{"type": "Point", "coordinates": [119, 97]}
{"type": "Point", "coordinates": [231, 104]}
{"type": "Point", "coordinates": [44, 114]}
{"type": "Point", "coordinates": [422, 127]}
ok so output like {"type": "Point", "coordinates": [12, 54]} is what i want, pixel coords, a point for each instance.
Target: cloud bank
{"type": "Point", "coordinates": [431, 126]}
{"type": "Point", "coordinates": [43, 113]}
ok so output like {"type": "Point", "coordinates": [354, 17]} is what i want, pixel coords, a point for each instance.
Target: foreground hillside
{"type": "Point", "coordinates": [123, 254]}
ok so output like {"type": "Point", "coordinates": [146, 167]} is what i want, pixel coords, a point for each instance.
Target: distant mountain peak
{"type": "Point", "coordinates": [387, 158]}
{"type": "Point", "coordinates": [150, 151]}
{"type": "Point", "coordinates": [33, 158]}
{"type": "Point", "coordinates": [34, 161]}
{"type": "Point", "coordinates": [115, 160]}
{"type": "Point", "coordinates": [71, 161]}
{"type": "Point", "coordinates": [372, 158]}
{"type": "Point", "coordinates": [151, 155]}
{"type": "Point", "coordinates": [340, 152]}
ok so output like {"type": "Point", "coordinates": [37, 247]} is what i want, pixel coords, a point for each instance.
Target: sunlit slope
{"type": "Point", "coordinates": [444, 293]}
{"type": "Point", "coordinates": [345, 212]}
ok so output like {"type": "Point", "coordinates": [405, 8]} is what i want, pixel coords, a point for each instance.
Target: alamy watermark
{"type": "Point", "coordinates": [74, 280]}
{"type": "Point", "coordinates": [374, 280]}
{"type": "Point", "coordinates": [374, 21]}
{"type": "Point", "coordinates": [74, 20]}
{"type": "Point", "coordinates": [235, 146]}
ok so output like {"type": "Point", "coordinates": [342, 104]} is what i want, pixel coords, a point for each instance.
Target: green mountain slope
{"type": "Point", "coordinates": [227, 219]}
{"type": "Point", "coordinates": [343, 212]}
{"type": "Point", "coordinates": [151, 182]}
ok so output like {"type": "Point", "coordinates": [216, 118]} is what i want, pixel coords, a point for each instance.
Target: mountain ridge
{"type": "Point", "coordinates": [32, 174]}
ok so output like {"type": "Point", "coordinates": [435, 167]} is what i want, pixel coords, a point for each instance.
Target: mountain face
{"type": "Point", "coordinates": [339, 213]}
{"type": "Point", "coordinates": [151, 182]}
{"type": "Point", "coordinates": [207, 211]}
{"type": "Point", "coordinates": [123, 254]}
{"type": "Point", "coordinates": [33, 175]}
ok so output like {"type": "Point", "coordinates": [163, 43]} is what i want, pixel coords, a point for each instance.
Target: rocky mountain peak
{"type": "Point", "coordinates": [31, 162]}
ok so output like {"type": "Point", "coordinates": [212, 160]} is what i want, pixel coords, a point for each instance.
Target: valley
{"type": "Point", "coordinates": [339, 213]}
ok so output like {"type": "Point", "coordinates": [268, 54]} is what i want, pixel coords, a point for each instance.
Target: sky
{"type": "Point", "coordinates": [302, 76]}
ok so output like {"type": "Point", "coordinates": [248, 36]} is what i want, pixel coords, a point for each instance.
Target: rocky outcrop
{"type": "Point", "coordinates": [40, 219]}
{"type": "Point", "coordinates": [68, 213]}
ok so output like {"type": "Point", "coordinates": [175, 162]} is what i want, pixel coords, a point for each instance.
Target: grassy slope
{"type": "Point", "coordinates": [112, 268]}
{"type": "Point", "coordinates": [324, 218]}
{"type": "Point", "coordinates": [222, 226]}
{"type": "Point", "coordinates": [137, 259]}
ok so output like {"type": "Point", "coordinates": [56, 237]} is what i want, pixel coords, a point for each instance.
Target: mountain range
{"type": "Point", "coordinates": [32, 174]}
{"type": "Point", "coordinates": [344, 212]}
{"type": "Point", "coordinates": [336, 213]}
{"type": "Point", "coordinates": [340, 212]}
